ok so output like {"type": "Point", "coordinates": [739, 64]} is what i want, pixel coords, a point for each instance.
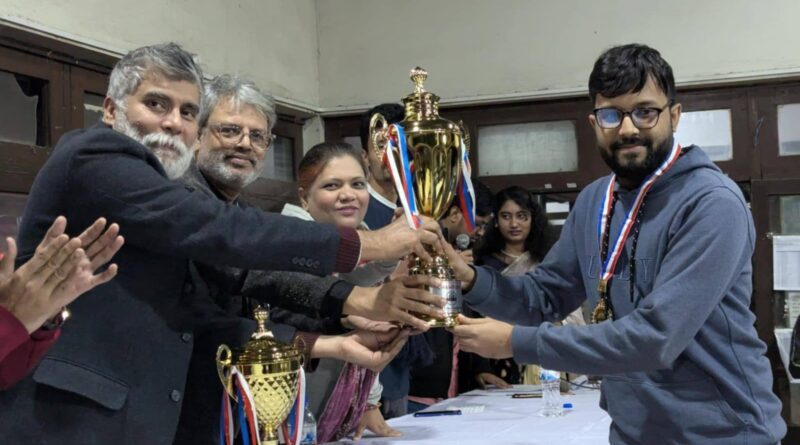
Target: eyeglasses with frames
{"type": "Point", "coordinates": [643, 118]}
{"type": "Point", "coordinates": [233, 134]}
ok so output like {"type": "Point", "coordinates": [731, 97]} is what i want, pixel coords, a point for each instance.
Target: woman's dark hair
{"type": "Point", "coordinates": [318, 157]}
{"type": "Point", "coordinates": [625, 69]}
{"type": "Point", "coordinates": [539, 239]}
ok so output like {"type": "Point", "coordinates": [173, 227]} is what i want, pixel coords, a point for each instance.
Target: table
{"type": "Point", "coordinates": [503, 421]}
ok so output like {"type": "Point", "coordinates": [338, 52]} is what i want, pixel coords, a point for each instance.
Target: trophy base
{"type": "Point", "coordinates": [450, 292]}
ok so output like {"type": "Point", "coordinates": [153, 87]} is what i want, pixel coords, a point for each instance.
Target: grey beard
{"type": "Point", "coordinates": [175, 165]}
{"type": "Point", "coordinates": [213, 164]}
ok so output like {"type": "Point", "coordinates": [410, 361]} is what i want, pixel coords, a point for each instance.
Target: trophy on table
{"type": "Point", "coordinates": [427, 158]}
{"type": "Point", "coordinates": [271, 370]}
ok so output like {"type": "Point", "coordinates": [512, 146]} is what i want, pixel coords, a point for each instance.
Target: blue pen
{"type": "Point", "coordinates": [447, 412]}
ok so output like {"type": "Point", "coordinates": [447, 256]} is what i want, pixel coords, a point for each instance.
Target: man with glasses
{"type": "Point", "coordinates": [118, 371]}
{"type": "Point", "coordinates": [661, 251]}
{"type": "Point", "coordinates": [235, 134]}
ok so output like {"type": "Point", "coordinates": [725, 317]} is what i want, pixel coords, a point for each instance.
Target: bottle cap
{"type": "Point", "coordinates": [567, 406]}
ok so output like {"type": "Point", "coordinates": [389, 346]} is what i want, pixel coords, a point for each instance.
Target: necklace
{"type": "Point", "coordinates": [509, 255]}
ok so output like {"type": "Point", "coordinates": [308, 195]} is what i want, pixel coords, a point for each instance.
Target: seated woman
{"type": "Point", "coordinates": [333, 190]}
{"type": "Point", "coordinates": [517, 241]}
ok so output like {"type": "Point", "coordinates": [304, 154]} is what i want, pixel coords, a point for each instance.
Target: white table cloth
{"type": "Point", "coordinates": [503, 420]}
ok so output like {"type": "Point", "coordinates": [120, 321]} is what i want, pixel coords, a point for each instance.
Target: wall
{"type": "Point", "coordinates": [273, 42]}
{"type": "Point", "coordinates": [480, 50]}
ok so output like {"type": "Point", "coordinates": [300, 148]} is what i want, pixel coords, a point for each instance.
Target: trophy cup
{"type": "Point", "coordinates": [425, 156]}
{"type": "Point", "coordinates": [271, 370]}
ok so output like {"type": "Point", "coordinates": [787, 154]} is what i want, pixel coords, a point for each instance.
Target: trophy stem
{"type": "Point", "coordinates": [268, 436]}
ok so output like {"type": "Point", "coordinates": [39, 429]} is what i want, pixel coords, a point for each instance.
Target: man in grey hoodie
{"type": "Point", "coordinates": [661, 250]}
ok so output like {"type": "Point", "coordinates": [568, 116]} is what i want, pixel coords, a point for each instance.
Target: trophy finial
{"type": "Point", "coordinates": [418, 76]}
{"type": "Point", "coordinates": [261, 315]}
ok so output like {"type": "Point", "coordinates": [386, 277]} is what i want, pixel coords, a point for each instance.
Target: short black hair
{"type": "Point", "coordinates": [483, 198]}
{"type": "Point", "coordinates": [625, 69]}
{"type": "Point", "coordinates": [393, 113]}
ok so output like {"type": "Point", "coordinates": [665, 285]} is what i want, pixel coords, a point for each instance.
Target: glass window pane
{"type": "Point", "coordinates": [279, 162]}
{"type": "Point", "coordinates": [532, 147]}
{"type": "Point", "coordinates": [789, 130]}
{"type": "Point", "coordinates": [92, 109]}
{"type": "Point", "coordinates": [709, 130]}
{"type": "Point", "coordinates": [21, 109]}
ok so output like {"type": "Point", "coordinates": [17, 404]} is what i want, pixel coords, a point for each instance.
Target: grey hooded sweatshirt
{"type": "Point", "coordinates": [681, 361]}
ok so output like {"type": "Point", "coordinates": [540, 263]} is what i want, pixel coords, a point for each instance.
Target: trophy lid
{"type": "Point", "coordinates": [421, 104]}
{"type": "Point", "coordinates": [263, 348]}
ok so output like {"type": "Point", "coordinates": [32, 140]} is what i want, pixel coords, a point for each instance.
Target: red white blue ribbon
{"type": "Point", "coordinates": [291, 430]}
{"type": "Point", "coordinates": [402, 173]}
{"type": "Point", "coordinates": [466, 194]}
{"type": "Point", "coordinates": [603, 223]}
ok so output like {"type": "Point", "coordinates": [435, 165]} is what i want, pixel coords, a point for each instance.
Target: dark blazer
{"type": "Point", "coordinates": [223, 315]}
{"type": "Point", "coordinates": [117, 374]}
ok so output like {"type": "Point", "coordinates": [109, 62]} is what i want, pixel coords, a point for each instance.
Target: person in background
{"type": "Point", "coordinates": [34, 296]}
{"type": "Point", "coordinates": [345, 397]}
{"type": "Point", "coordinates": [514, 245]}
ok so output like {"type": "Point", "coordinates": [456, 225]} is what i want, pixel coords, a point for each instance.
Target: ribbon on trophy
{"type": "Point", "coordinates": [247, 415]}
{"type": "Point", "coordinates": [404, 181]}
{"type": "Point", "coordinates": [401, 174]}
{"type": "Point", "coordinates": [466, 194]}
{"type": "Point", "coordinates": [291, 430]}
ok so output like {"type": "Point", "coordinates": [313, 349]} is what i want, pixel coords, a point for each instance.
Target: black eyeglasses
{"type": "Point", "coordinates": [642, 118]}
{"type": "Point", "coordinates": [233, 134]}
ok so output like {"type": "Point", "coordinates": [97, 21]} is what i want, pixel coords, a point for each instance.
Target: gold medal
{"type": "Point", "coordinates": [601, 312]}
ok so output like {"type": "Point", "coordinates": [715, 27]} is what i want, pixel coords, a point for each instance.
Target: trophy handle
{"type": "Point", "coordinates": [224, 366]}
{"type": "Point", "coordinates": [378, 133]}
{"type": "Point", "coordinates": [464, 134]}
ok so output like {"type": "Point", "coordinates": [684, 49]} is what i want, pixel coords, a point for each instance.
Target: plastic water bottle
{"type": "Point", "coordinates": [551, 393]}
{"type": "Point", "coordinates": [309, 434]}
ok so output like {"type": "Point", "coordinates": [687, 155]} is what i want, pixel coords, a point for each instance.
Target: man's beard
{"type": "Point", "coordinates": [212, 163]}
{"type": "Point", "coordinates": [175, 160]}
{"type": "Point", "coordinates": [631, 170]}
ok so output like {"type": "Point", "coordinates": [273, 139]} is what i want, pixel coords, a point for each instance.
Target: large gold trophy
{"type": "Point", "coordinates": [433, 148]}
{"type": "Point", "coordinates": [271, 369]}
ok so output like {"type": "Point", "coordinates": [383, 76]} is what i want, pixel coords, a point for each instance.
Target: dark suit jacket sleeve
{"type": "Point", "coordinates": [19, 352]}
{"type": "Point", "coordinates": [112, 176]}
{"type": "Point", "coordinates": [298, 292]}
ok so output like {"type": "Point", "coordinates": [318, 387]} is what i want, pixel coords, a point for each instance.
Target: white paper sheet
{"type": "Point", "coordinates": [786, 262]}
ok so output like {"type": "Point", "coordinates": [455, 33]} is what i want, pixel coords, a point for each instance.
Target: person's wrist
{"type": "Point", "coordinates": [324, 347]}
{"type": "Point", "coordinates": [357, 303]}
{"type": "Point", "coordinates": [467, 277]}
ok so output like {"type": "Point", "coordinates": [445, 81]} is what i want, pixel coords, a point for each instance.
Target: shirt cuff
{"type": "Point", "coordinates": [481, 287]}
{"type": "Point", "coordinates": [349, 253]}
{"type": "Point", "coordinates": [12, 332]}
{"type": "Point", "coordinates": [333, 302]}
{"type": "Point", "coordinates": [525, 344]}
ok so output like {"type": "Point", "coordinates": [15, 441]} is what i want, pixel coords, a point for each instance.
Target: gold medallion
{"type": "Point", "coordinates": [601, 312]}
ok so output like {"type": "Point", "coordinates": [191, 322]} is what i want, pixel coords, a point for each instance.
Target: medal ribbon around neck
{"type": "Point", "coordinates": [604, 217]}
